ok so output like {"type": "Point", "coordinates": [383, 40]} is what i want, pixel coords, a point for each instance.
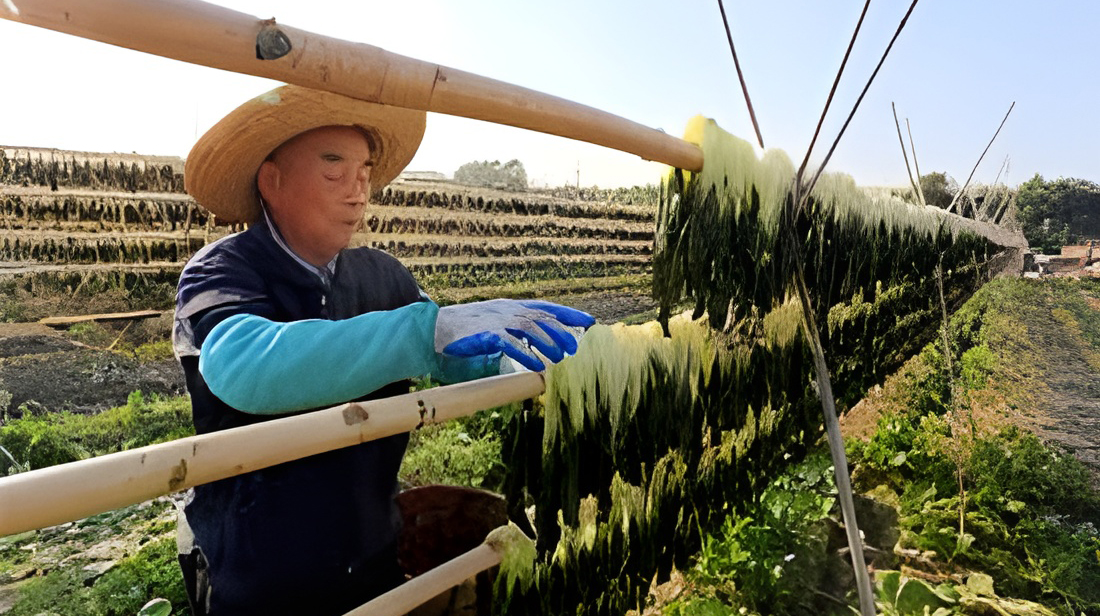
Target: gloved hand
{"type": "Point", "coordinates": [506, 325]}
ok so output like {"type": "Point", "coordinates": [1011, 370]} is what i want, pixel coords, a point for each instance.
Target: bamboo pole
{"type": "Point", "coordinates": [971, 176]}
{"type": "Point", "coordinates": [67, 492]}
{"type": "Point", "coordinates": [412, 594]}
{"type": "Point", "coordinates": [917, 194]}
{"type": "Point", "coordinates": [503, 540]}
{"type": "Point", "coordinates": [916, 165]}
{"type": "Point", "coordinates": [836, 442]}
{"type": "Point", "coordinates": [202, 33]}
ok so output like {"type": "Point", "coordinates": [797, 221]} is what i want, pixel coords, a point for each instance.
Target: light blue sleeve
{"type": "Point", "coordinates": [261, 366]}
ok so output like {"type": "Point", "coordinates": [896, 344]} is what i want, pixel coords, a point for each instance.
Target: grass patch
{"type": "Point", "coordinates": [461, 452]}
{"type": "Point", "coordinates": [37, 441]}
{"type": "Point", "coordinates": [975, 488]}
{"type": "Point", "coordinates": [152, 572]}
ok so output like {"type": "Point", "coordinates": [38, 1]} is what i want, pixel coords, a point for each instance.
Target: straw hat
{"type": "Point", "coordinates": [220, 172]}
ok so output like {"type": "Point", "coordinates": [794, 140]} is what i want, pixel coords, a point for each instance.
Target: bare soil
{"type": "Point", "coordinates": [1057, 373]}
{"type": "Point", "coordinates": [1071, 408]}
{"type": "Point", "coordinates": [46, 368]}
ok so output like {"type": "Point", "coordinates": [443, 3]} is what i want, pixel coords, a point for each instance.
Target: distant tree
{"type": "Point", "coordinates": [1058, 213]}
{"type": "Point", "coordinates": [509, 176]}
{"type": "Point", "coordinates": [938, 188]}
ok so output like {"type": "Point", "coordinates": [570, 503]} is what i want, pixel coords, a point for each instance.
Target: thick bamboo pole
{"type": "Point", "coordinates": [415, 592]}
{"type": "Point", "coordinates": [201, 33]}
{"type": "Point", "coordinates": [505, 541]}
{"type": "Point", "coordinates": [66, 492]}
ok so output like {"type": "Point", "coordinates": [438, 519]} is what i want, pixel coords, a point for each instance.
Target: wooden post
{"type": "Point", "coordinates": [67, 492]}
{"type": "Point", "coordinates": [201, 33]}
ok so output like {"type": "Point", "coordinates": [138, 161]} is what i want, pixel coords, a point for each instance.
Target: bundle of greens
{"type": "Point", "coordinates": [652, 434]}
{"type": "Point", "coordinates": [730, 240]}
{"type": "Point", "coordinates": [645, 442]}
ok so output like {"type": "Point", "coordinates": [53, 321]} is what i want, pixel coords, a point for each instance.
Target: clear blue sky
{"type": "Point", "coordinates": [957, 67]}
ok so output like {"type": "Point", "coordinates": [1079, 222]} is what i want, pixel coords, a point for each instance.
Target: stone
{"type": "Point", "coordinates": [110, 549]}
{"type": "Point", "coordinates": [96, 570]}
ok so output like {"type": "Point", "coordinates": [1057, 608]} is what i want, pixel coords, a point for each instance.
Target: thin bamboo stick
{"type": "Point", "coordinates": [67, 492]}
{"type": "Point", "coordinates": [916, 190]}
{"type": "Point", "coordinates": [832, 92]}
{"type": "Point", "coordinates": [855, 107]}
{"type": "Point", "coordinates": [971, 176]}
{"type": "Point", "coordinates": [740, 75]}
{"type": "Point", "coordinates": [420, 589]}
{"type": "Point", "coordinates": [916, 164]}
{"type": "Point", "coordinates": [202, 33]}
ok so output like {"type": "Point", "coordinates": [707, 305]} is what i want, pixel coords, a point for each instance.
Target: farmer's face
{"type": "Point", "coordinates": [316, 186]}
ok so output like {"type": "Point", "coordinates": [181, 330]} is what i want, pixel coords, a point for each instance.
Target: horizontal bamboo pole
{"type": "Point", "coordinates": [201, 33]}
{"type": "Point", "coordinates": [67, 492]}
{"type": "Point", "coordinates": [415, 592]}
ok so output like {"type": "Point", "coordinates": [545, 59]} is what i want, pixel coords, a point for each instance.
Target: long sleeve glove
{"type": "Point", "coordinates": [508, 326]}
{"type": "Point", "coordinates": [260, 366]}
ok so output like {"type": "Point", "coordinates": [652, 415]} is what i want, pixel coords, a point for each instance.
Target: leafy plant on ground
{"type": "Point", "coordinates": [41, 440]}
{"type": "Point", "coordinates": [154, 350]}
{"type": "Point", "coordinates": [92, 334]}
{"type": "Point", "coordinates": [1030, 522]}
{"type": "Point", "coordinates": [11, 309]}
{"type": "Point", "coordinates": [141, 339]}
{"type": "Point", "coordinates": [453, 453]}
{"type": "Point", "coordinates": [152, 572]}
{"type": "Point", "coordinates": [769, 556]}
{"type": "Point", "coordinates": [1031, 511]}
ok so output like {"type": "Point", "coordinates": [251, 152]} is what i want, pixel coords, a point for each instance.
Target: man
{"type": "Point", "coordinates": [284, 318]}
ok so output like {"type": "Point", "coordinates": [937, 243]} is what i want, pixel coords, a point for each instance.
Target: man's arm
{"type": "Point", "coordinates": [265, 367]}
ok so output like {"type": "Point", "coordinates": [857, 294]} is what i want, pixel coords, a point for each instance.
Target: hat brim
{"type": "Point", "coordinates": [220, 171]}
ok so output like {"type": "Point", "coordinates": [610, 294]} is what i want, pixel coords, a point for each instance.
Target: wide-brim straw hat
{"type": "Point", "coordinates": [220, 172]}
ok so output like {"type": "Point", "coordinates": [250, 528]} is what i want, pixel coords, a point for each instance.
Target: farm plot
{"type": "Point", "coordinates": [66, 217]}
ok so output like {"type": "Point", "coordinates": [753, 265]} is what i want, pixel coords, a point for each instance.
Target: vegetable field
{"type": "Point", "coordinates": [66, 216]}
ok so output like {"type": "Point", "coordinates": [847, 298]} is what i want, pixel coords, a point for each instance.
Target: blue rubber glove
{"type": "Point", "coordinates": [508, 326]}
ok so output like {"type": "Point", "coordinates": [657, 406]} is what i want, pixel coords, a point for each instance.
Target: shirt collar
{"type": "Point", "coordinates": [324, 273]}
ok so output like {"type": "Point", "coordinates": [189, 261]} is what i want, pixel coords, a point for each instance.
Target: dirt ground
{"type": "Point", "coordinates": [42, 367]}
{"type": "Point", "coordinates": [1072, 404]}
{"type": "Point", "coordinates": [46, 368]}
{"type": "Point", "coordinates": [1062, 376]}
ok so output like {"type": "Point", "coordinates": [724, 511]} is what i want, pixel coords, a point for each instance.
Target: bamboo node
{"type": "Point", "coordinates": [271, 42]}
{"type": "Point", "coordinates": [354, 414]}
{"type": "Point", "coordinates": [423, 414]}
{"type": "Point", "coordinates": [179, 475]}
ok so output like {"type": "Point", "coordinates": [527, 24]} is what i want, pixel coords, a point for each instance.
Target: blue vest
{"type": "Point", "coordinates": [276, 536]}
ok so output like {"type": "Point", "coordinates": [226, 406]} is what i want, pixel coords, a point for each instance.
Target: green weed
{"type": "Point", "coordinates": [92, 334]}
{"type": "Point", "coordinates": [1030, 521]}
{"type": "Point", "coordinates": [152, 572]}
{"type": "Point", "coordinates": [155, 350]}
{"type": "Point", "coordinates": [41, 440]}
{"type": "Point", "coordinates": [462, 452]}
{"type": "Point", "coordinates": [764, 558]}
